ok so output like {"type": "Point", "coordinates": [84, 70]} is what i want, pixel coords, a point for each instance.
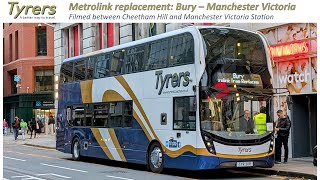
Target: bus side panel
{"type": "Point", "coordinates": [134, 143]}
{"type": "Point", "coordinates": [69, 93]}
{"type": "Point", "coordinates": [94, 148]}
{"type": "Point", "coordinates": [187, 160]}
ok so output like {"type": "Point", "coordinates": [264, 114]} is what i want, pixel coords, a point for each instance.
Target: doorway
{"type": "Point", "coordinates": [304, 124]}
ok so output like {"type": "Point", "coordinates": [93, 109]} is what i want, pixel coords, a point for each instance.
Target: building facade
{"type": "Point", "coordinates": [294, 66]}
{"type": "Point", "coordinates": [28, 71]}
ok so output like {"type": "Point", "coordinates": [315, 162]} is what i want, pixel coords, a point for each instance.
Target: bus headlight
{"type": "Point", "coordinates": [208, 141]}
{"type": "Point", "coordinates": [271, 145]}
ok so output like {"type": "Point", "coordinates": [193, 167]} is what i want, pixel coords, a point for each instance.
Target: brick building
{"type": "Point", "coordinates": [28, 71]}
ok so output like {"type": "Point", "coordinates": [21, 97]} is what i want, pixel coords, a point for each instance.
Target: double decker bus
{"type": "Point", "coordinates": [180, 99]}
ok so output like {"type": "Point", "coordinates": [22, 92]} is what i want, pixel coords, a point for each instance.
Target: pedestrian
{"type": "Point", "coordinates": [5, 127]}
{"type": "Point", "coordinates": [282, 130]}
{"type": "Point", "coordinates": [33, 127]}
{"type": "Point", "coordinates": [23, 126]}
{"type": "Point", "coordinates": [38, 127]}
{"type": "Point", "coordinates": [16, 127]}
{"type": "Point", "coordinates": [50, 124]}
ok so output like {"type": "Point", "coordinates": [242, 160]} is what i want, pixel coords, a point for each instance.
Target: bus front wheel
{"type": "Point", "coordinates": [155, 160]}
{"type": "Point", "coordinates": [76, 150]}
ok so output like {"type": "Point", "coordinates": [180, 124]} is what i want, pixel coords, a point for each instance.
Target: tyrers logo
{"type": "Point", "coordinates": [244, 150]}
{"type": "Point", "coordinates": [16, 9]}
{"type": "Point", "coordinates": [175, 80]}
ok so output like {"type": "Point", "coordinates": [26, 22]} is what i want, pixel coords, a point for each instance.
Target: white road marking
{"type": "Point", "coordinates": [119, 177]}
{"type": "Point", "coordinates": [52, 174]}
{"type": "Point", "coordinates": [13, 158]}
{"type": "Point", "coordinates": [27, 177]}
{"type": "Point", "coordinates": [63, 168]}
{"type": "Point", "coordinates": [5, 179]}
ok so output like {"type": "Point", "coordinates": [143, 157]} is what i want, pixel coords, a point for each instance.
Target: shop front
{"type": "Point", "coordinates": [294, 51]}
{"type": "Point", "coordinates": [28, 105]}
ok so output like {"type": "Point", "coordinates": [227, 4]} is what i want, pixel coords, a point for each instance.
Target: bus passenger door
{"type": "Point", "coordinates": [182, 140]}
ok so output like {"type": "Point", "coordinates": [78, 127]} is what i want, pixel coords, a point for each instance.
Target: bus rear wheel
{"type": "Point", "coordinates": [76, 150]}
{"type": "Point", "coordinates": [155, 158]}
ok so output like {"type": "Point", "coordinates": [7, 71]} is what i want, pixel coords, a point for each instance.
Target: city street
{"type": "Point", "coordinates": [26, 162]}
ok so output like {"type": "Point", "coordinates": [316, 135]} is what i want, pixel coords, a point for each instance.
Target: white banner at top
{"type": "Point", "coordinates": [278, 11]}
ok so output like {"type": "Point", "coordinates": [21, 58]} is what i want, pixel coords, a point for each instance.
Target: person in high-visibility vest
{"type": "Point", "coordinates": [261, 121]}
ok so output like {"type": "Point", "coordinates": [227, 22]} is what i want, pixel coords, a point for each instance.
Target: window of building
{"type": "Point", "coordinates": [100, 115]}
{"type": "Point", "coordinates": [44, 80]}
{"type": "Point", "coordinates": [152, 29]}
{"type": "Point", "coordinates": [14, 89]}
{"type": "Point", "coordinates": [110, 35]}
{"type": "Point", "coordinates": [184, 113]}
{"type": "Point", "coordinates": [3, 51]}
{"type": "Point", "coordinates": [79, 70]}
{"type": "Point", "coordinates": [42, 41]}
{"type": "Point", "coordinates": [100, 26]}
{"type": "Point", "coordinates": [76, 40]}
{"type": "Point", "coordinates": [181, 50]}
{"type": "Point", "coordinates": [116, 114]}
{"type": "Point", "coordinates": [10, 47]}
{"type": "Point", "coordinates": [158, 54]}
{"type": "Point", "coordinates": [16, 44]}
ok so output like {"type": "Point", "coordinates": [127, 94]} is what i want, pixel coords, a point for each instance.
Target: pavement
{"type": "Point", "coordinates": [296, 167]}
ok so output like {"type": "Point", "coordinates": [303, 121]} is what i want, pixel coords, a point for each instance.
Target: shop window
{"type": "Point", "coordinates": [44, 80]}
{"type": "Point", "coordinates": [184, 113]}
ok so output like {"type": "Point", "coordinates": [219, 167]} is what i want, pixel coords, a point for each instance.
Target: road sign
{"type": "Point", "coordinates": [16, 78]}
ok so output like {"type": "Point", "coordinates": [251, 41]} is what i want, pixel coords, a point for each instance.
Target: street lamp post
{"type": "Point", "coordinates": [28, 89]}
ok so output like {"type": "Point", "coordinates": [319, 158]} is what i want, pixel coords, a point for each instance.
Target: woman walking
{"type": "Point", "coordinates": [5, 127]}
{"type": "Point", "coordinates": [23, 126]}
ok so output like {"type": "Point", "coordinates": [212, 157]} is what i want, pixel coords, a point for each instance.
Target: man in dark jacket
{"type": "Point", "coordinates": [16, 126]}
{"type": "Point", "coordinates": [282, 130]}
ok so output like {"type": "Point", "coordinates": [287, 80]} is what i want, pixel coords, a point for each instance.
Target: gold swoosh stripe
{"type": "Point", "coordinates": [100, 140]}
{"type": "Point", "coordinates": [126, 86]}
{"type": "Point", "coordinates": [243, 156]}
{"type": "Point", "coordinates": [116, 144]}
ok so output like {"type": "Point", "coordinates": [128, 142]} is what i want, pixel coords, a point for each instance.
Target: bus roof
{"type": "Point", "coordinates": [191, 29]}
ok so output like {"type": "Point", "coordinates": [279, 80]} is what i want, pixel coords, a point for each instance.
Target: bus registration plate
{"type": "Point", "coordinates": [245, 164]}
